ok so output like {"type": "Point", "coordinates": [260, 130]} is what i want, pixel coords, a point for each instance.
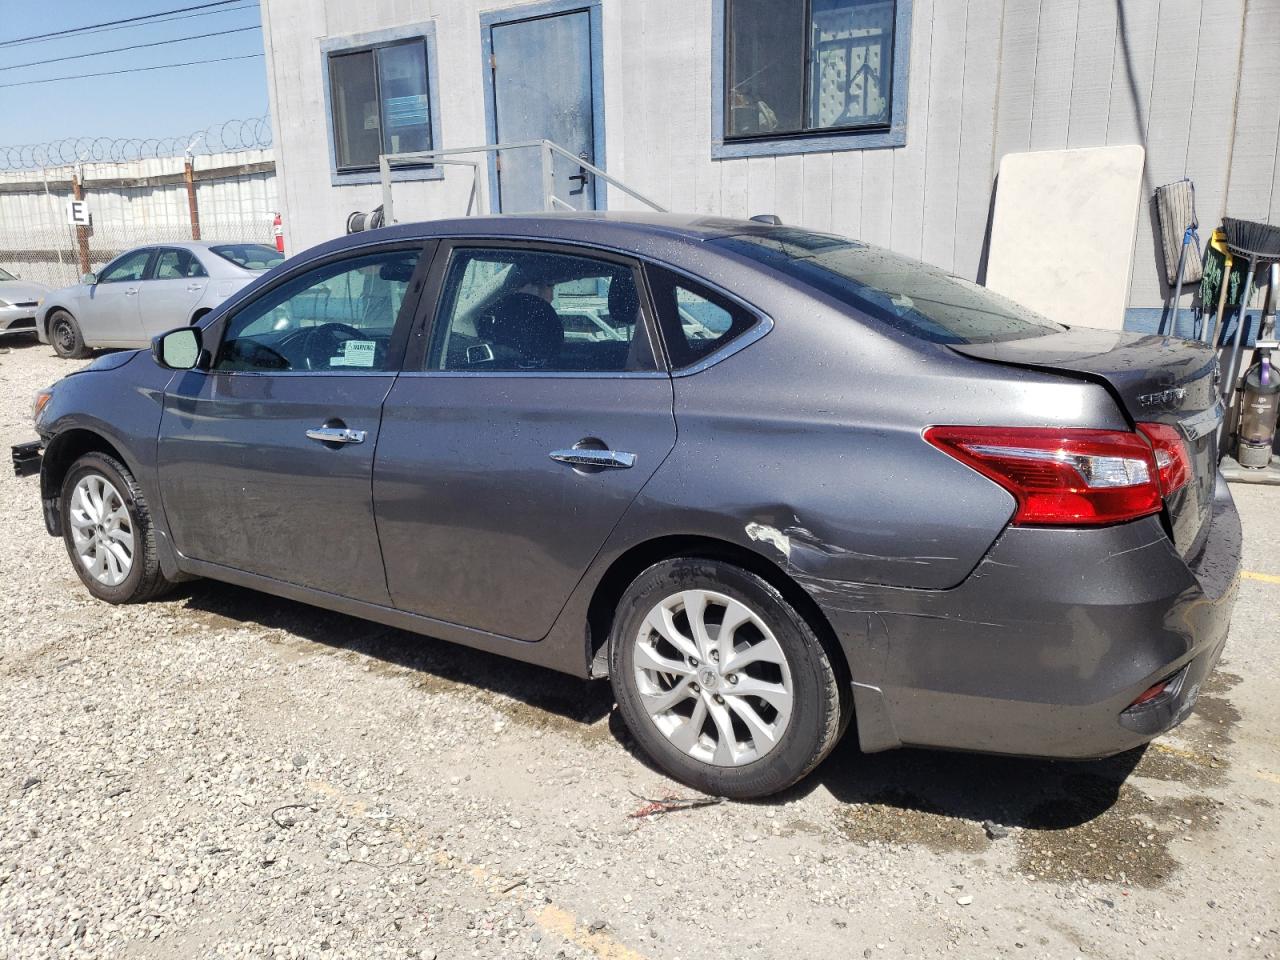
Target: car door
{"type": "Point", "coordinates": [266, 458]}
{"type": "Point", "coordinates": [511, 446]}
{"type": "Point", "coordinates": [110, 314]}
{"type": "Point", "coordinates": [177, 282]}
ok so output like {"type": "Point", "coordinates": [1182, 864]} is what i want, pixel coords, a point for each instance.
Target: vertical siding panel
{"type": "Point", "coordinates": [1091, 75]}
{"type": "Point", "coordinates": [877, 197]}
{"type": "Point", "coordinates": [816, 212]}
{"type": "Point", "coordinates": [706, 173]}
{"type": "Point", "coordinates": [907, 226]}
{"type": "Point", "coordinates": [1209, 130]}
{"type": "Point", "coordinates": [788, 189]}
{"type": "Point", "coordinates": [975, 174]}
{"type": "Point", "coordinates": [1132, 72]}
{"type": "Point", "coordinates": [676, 65]}
{"type": "Point", "coordinates": [1253, 159]}
{"type": "Point", "coordinates": [760, 186]}
{"type": "Point", "coordinates": [942, 151]}
{"type": "Point", "coordinates": [1168, 117]}
{"type": "Point", "coordinates": [1051, 90]}
{"type": "Point", "coordinates": [1017, 76]}
{"type": "Point", "coordinates": [632, 167]}
{"type": "Point", "coordinates": [733, 187]}
{"type": "Point", "coordinates": [846, 193]}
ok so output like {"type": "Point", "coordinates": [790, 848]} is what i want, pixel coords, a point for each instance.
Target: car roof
{"type": "Point", "coordinates": [625, 230]}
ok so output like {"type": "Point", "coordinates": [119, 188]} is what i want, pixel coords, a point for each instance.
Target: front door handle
{"type": "Point", "coordinates": [131, 292]}
{"type": "Point", "coordinates": [586, 457]}
{"type": "Point", "coordinates": [336, 435]}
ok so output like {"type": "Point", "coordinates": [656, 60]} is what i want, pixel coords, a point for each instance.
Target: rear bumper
{"type": "Point", "coordinates": [1041, 650]}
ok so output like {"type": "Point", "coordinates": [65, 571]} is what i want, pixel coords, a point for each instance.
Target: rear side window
{"type": "Point", "coordinates": [903, 293]}
{"type": "Point", "coordinates": [695, 321]}
{"type": "Point", "coordinates": [509, 310]}
{"type": "Point", "coordinates": [177, 264]}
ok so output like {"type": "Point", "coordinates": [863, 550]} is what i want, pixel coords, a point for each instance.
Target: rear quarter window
{"type": "Point", "coordinates": [696, 321]}
{"type": "Point", "coordinates": [902, 293]}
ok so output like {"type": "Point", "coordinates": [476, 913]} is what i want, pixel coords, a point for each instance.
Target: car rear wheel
{"type": "Point", "coordinates": [64, 334]}
{"type": "Point", "coordinates": [107, 529]}
{"type": "Point", "coordinates": [721, 681]}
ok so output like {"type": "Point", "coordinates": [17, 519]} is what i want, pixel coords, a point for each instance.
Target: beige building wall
{"type": "Point", "coordinates": [1196, 83]}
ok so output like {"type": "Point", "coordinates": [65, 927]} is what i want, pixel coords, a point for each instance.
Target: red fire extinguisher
{"type": "Point", "coordinates": [277, 227]}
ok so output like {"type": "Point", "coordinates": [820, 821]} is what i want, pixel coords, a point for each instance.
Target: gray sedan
{"type": "Point", "coordinates": [19, 301]}
{"type": "Point", "coordinates": [146, 291]}
{"type": "Point", "coordinates": [799, 483]}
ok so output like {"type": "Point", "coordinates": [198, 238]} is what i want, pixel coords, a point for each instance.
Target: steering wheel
{"type": "Point", "coordinates": [329, 337]}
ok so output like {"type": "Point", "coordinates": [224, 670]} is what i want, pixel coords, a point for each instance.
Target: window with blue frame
{"type": "Point", "coordinates": [799, 69]}
{"type": "Point", "coordinates": [380, 103]}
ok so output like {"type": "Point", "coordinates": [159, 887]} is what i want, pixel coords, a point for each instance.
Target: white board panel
{"type": "Point", "coordinates": [1062, 232]}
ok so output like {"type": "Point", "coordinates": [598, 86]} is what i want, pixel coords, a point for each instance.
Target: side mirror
{"type": "Point", "coordinates": [89, 279]}
{"type": "Point", "coordinates": [178, 349]}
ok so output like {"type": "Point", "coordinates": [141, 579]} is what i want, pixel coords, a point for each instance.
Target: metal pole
{"type": "Point", "coordinates": [1177, 283]}
{"type": "Point", "coordinates": [82, 233]}
{"type": "Point", "coordinates": [548, 180]}
{"type": "Point", "coordinates": [193, 210]}
{"type": "Point", "coordinates": [384, 172]}
{"type": "Point", "coordinates": [1229, 387]}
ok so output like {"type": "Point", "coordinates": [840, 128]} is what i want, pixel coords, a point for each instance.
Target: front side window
{"type": "Point", "coordinates": [337, 317]}
{"type": "Point", "coordinates": [797, 67]}
{"type": "Point", "coordinates": [128, 269]}
{"type": "Point", "coordinates": [176, 264]}
{"type": "Point", "coordinates": [509, 310]}
{"type": "Point", "coordinates": [380, 103]}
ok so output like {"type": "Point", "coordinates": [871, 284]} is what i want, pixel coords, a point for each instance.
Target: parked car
{"type": "Point", "coordinates": [19, 301]}
{"type": "Point", "coordinates": [146, 291]}
{"type": "Point", "coordinates": [809, 482]}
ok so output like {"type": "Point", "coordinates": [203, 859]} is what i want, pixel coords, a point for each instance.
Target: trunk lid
{"type": "Point", "coordinates": [1154, 380]}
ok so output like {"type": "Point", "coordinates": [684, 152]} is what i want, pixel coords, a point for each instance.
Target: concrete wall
{"type": "Point", "coordinates": [1195, 82]}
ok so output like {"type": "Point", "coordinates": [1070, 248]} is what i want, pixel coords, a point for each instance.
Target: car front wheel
{"type": "Point", "coordinates": [65, 336]}
{"type": "Point", "coordinates": [721, 681]}
{"type": "Point", "coordinates": [107, 529]}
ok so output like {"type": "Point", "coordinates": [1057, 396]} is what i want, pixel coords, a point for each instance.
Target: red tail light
{"type": "Point", "coordinates": [1062, 476]}
{"type": "Point", "coordinates": [1172, 456]}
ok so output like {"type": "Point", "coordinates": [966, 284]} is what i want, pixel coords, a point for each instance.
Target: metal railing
{"type": "Point", "coordinates": [478, 199]}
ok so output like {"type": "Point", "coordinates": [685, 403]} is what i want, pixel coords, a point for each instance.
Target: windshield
{"type": "Point", "coordinates": [251, 256]}
{"type": "Point", "coordinates": [905, 294]}
{"type": "Point", "coordinates": [6, 275]}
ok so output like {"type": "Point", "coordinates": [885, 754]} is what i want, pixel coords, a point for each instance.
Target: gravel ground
{"type": "Point", "coordinates": [225, 774]}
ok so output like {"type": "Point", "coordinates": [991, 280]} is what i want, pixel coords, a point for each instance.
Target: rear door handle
{"type": "Point", "coordinates": [336, 435]}
{"type": "Point", "coordinates": [131, 292]}
{"type": "Point", "coordinates": [586, 457]}
{"type": "Point", "coordinates": [195, 287]}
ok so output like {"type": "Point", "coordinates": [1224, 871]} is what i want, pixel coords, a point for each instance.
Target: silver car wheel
{"type": "Point", "coordinates": [101, 530]}
{"type": "Point", "coordinates": [713, 678]}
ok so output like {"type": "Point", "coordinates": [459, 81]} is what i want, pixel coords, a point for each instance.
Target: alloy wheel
{"type": "Point", "coordinates": [713, 678]}
{"type": "Point", "coordinates": [101, 530]}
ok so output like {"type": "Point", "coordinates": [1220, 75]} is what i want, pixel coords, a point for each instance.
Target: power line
{"type": "Point", "coordinates": [112, 73]}
{"type": "Point", "coordinates": [112, 23]}
{"type": "Point", "coordinates": [244, 5]}
{"type": "Point", "coordinates": [135, 46]}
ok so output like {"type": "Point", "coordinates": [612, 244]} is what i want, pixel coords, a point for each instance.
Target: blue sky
{"type": "Point", "coordinates": [156, 103]}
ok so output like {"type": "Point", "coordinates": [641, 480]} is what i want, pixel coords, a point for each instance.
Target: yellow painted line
{"type": "Point", "coordinates": [550, 918]}
{"type": "Point", "coordinates": [1263, 577]}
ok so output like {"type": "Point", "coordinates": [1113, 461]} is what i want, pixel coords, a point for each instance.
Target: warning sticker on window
{"type": "Point", "coordinates": [355, 353]}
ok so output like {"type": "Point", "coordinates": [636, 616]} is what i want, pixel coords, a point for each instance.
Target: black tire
{"type": "Point", "coordinates": [144, 581]}
{"type": "Point", "coordinates": [65, 336]}
{"type": "Point", "coordinates": [818, 710]}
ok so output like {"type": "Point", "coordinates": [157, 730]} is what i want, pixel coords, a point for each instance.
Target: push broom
{"type": "Point", "coordinates": [1257, 243]}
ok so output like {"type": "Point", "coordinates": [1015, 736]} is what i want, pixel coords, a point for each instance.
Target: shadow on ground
{"type": "Point", "coordinates": [1060, 820]}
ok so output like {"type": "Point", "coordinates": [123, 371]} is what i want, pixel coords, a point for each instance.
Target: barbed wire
{"type": "Point", "coordinates": [252, 133]}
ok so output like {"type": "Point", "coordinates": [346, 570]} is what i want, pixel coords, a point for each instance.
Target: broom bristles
{"type": "Point", "coordinates": [1247, 238]}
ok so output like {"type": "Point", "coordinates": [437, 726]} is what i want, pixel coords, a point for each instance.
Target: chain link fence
{"type": "Point", "coordinates": [220, 197]}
